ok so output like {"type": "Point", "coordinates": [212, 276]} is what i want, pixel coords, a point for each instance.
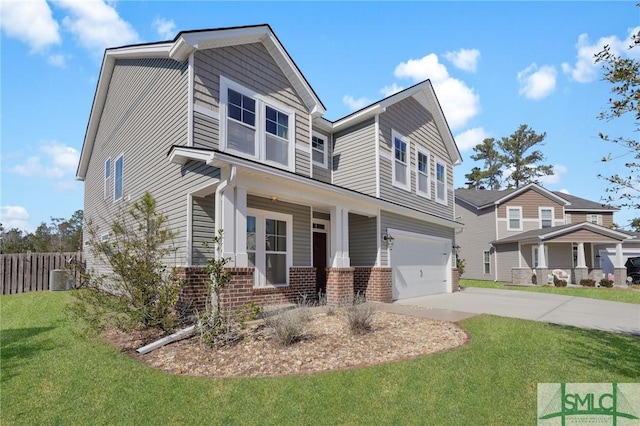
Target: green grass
{"type": "Point", "coordinates": [51, 377]}
{"type": "Point", "coordinates": [628, 295]}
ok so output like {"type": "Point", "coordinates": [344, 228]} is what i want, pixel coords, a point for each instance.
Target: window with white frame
{"type": "Point", "coordinates": [269, 246]}
{"type": "Point", "coordinates": [423, 186]}
{"type": "Point", "coordinates": [400, 165]}
{"type": "Point", "coordinates": [486, 262]}
{"type": "Point", "coordinates": [319, 149]}
{"type": "Point", "coordinates": [256, 126]}
{"type": "Point", "coordinates": [514, 218]}
{"type": "Point", "coordinates": [595, 218]}
{"type": "Point", "coordinates": [118, 178]}
{"type": "Point", "coordinates": [546, 217]}
{"type": "Point", "coordinates": [107, 179]}
{"type": "Point", "coordinates": [441, 182]}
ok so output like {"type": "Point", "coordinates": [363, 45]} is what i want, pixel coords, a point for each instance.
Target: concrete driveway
{"type": "Point", "coordinates": [566, 310]}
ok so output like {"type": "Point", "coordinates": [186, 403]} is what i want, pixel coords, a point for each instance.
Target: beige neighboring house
{"type": "Point", "coordinates": [224, 130]}
{"type": "Point", "coordinates": [529, 234]}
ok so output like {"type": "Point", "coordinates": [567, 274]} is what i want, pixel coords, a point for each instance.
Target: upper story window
{"type": "Point", "coordinates": [319, 149]}
{"type": "Point", "coordinates": [546, 217]}
{"type": "Point", "coordinates": [400, 166]}
{"type": "Point", "coordinates": [118, 178]}
{"type": "Point", "coordinates": [514, 218]}
{"type": "Point", "coordinates": [441, 182]}
{"type": "Point", "coordinates": [595, 218]}
{"type": "Point", "coordinates": [423, 185]}
{"type": "Point", "coordinates": [107, 178]}
{"type": "Point", "coordinates": [255, 126]}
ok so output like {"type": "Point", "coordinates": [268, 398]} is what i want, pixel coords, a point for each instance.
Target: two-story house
{"type": "Point", "coordinates": [522, 235]}
{"type": "Point", "coordinates": [223, 129]}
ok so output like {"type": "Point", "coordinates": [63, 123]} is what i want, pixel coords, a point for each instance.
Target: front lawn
{"type": "Point", "coordinates": [49, 376]}
{"type": "Point", "coordinates": [627, 295]}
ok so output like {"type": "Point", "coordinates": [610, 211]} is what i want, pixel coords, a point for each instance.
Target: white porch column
{"type": "Point", "coordinates": [227, 205]}
{"type": "Point", "coordinates": [339, 237]}
{"type": "Point", "coordinates": [542, 261]}
{"type": "Point", "coordinates": [619, 263]}
{"type": "Point", "coordinates": [241, 227]}
{"type": "Point", "coordinates": [581, 260]}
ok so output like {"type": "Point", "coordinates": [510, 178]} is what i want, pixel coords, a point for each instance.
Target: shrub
{"type": "Point", "coordinates": [558, 282]}
{"type": "Point", "coordinates": [606, 283]}
{"type": "Point", "coordinates": [288, 325]}
{"type": "Point", "coordinates": [587, 282]}
{"type": "Point", "coordinates": [359, 315]}
{"type": "Point", "coordinates": [216, 329]}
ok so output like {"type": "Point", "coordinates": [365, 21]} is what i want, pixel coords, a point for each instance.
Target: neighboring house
{"type": "Point", "coordinates": [227, 134]}
{"type": "Point", "coordinates": [506, 232]}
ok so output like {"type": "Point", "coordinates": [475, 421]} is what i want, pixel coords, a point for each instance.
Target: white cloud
{"type": "Point", "coordinates": [465, 59]}
{"type": "Point", "coordinates": [30, 22]}
{"type": "Point", "coordinates": [470, 138]}
{"type": "Point", "coordinates": [559, 170]}
{"type": "Point", "coordinates": [355, 104]}
{"type": "Point", "coordinates": [391, 90]}
{"type": "Point", "coordinates": [97, 25]}
{"type": "Point", "coordinates": [55, 161]}
{"type": "Point", "coordinates": [585, 69]}
{"type": "Point", "coordinates": [537, 83]}
{"type": "Point", "coordinates": [14, 217]}
{"type": "Point", "coordinates": [165, 28]}
{"type": "Point", "coordinates": [56, 61]}
{"type": "Point", "coordinates": [459, 102]}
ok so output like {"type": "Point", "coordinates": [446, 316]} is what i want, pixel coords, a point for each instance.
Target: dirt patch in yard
{"type": "Point", "coordinates": [328, 345]}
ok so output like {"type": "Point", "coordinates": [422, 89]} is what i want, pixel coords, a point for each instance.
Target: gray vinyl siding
{"type": "Point", "coordinates": [302, 162]}
{"type": "Point", "coordinates": [301, 225]}
{"type": "Point", "coordinates": [507, 259]}
{"type": "Point", "coordinates": [203, 225]}
{"type": "Point", "coordinates": [354, 158]}
{"type": "Point", "coordinates": [321, 215]}
{"type": "Point", "coordinates": [474, 240]}
{"type": "Point", "coordinates": [145, 113]}
{"type": "Point", "coordinates": [252, 66]}
{"type": "Point", "coordinates": [411, 120]}
{"type": "Point", "coordinates": [324, 173]}
{"type": "Point", "coordinates": [206, 131]}
{"type": "Point", "coordinates": [409, 224]}
{"type": "Point", "coordinates": [362, 240]}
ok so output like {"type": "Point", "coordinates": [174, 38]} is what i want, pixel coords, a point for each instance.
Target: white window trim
{"type": "Point", "coordinates": [260, 136]}
{"type": "Point", "coordinates": [120, 157]}
{"type": "Point", "coordinates": [435, 180]}
{"type": "Point", "coordinates": [597, 216]}
{"type": "Point", "coordinates": [107, 180]}
{"type": "Point", "coordinates": [259, 276]}
{"type": "Point", "coordinates": [486, 263]}
{"type": "Point", "coordinates": [395, 135]}
{"type": "Point", "coordinates": [324, 154]}
{"type": "Point", "coordinates": [534, 252]}
{"type": "Point", "coordinates": [540, 210]}
{"type": "Point", "coordinates": [509, 228]}
{"type": "Point", "coordinates": [420, 150]}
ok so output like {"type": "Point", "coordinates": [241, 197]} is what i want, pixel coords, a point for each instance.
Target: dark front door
{"type": "Point", "coordinates": [320, 260]}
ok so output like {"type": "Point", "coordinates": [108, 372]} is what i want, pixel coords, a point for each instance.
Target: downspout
{"type": "Point", "coordinates": [217, 218]}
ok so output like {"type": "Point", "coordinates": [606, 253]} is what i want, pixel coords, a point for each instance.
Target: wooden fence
{"type": "Point", "coordinates": [23, 272]}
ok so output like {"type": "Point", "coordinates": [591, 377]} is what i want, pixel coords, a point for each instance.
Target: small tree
{"type": "Point", "coordinates": [141, 291]}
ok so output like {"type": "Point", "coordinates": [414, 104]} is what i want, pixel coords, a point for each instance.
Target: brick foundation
{"type": "Point", "coordinates": [455, 280]}
{"type": "Point", "coordinates": [193, 295]}
{"type": "Point", "coordinates": [340, 286]}
{"type": "Point", "coordinates": [373, 283]}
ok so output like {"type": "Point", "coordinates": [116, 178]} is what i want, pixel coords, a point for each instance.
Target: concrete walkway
{"type": "Point", "coordinates": [581, 312]}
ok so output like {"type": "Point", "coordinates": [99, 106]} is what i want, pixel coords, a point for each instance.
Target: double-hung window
{"type": "Point", "coordinates": [441, 182]}
{"type": "Point", "coordinates": [256, 126]}
{"type": "Point", "coordinates": [400, 165]}
{"type": "Point", "coordinates": [107, 179]}
{"type": "Point", "coordinates": [546, 217]}
{"type": "Point", "coordinates": [423, 186]}
{"type": "Point", "coordinates": [486, 262]}
{"type": "Point", "coordinates": [118, 178]}
{"type": "Point", "coordinates": [514, 218]}
{"type": "Point", "coordinates": [269, 246]}
{"type": "Point", "coordinates": [319, 149]}
{"type": "Point", "coordinates": [595, 218]}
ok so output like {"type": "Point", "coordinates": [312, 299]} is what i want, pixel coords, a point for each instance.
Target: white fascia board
{"type": "Point", "coordinates": [590, 226]}
{"type": "Point", "coordinates": [323, 124]}
{"type": "Point", "coordinates": [181, 155]}
{"type": "Point", "coordinates": [359, 116]}
{"type": "Point", "coordinates": [594, 210]}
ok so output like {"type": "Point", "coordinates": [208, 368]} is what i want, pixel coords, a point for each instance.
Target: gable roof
{"type": "Point", "coordinates": [544, 234]}
{"type": "Point", "coordinates": [483, 198]}
{"type": "Point", "coordinates": [185, 43]}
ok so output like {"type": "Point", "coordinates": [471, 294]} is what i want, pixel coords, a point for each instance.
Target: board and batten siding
{"type": "Point", "coordinates": [479, 231]}
{"type": "Point", "coordinates": [301, 225]}
{"type": "Point", "coordinates": [320, 173]}
{"type": "Point", "coordinates": [507, 258]}
{"type": "Point", "coordinates": [145, 113]}
{"type": "Point", "coordinates": [410, 119]}
{"type": "Point", "coordinates": [206, 132]}
{"type": "Point", "coordinates": [252, 66]}
{"type": "Point", "coordinates": [203, 226]}
{"type": "Point", "coordinates": [363, 235]}
{"type": "Point", "coordinates": [409, 224]}
{"type": "Point", "coordinates": [353, 162]}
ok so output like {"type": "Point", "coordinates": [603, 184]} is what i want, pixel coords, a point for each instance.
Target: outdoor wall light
{"type": "Point", "coordinates": [387, 238]}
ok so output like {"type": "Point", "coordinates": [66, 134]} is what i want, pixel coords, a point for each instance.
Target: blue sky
{"type": "Point", "coordinates": [494, 66]}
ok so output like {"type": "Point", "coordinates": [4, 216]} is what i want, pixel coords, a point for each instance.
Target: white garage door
{"type": "Point", "coordinates": [420, 265]}
{"type": "Point", "coordinates": [608, 258]}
